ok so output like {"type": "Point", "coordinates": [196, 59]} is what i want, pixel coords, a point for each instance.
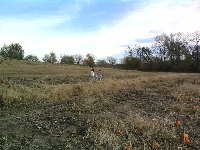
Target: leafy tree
{"type": "Point", "coordinates": [131, 63]}
{"type": "Point", "coordinates": [31, 58]}
{"type": "Point", "coordinates": [51, 58]}
{"type": "Point", "coordinates": [89, 60]}
{"type": "Point", "coordinates": [67, 59]}
{"type": "Point", "coordinates": [13, 51]}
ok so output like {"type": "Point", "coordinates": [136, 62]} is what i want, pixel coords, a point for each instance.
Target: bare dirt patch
{"type": "Point", "coordinates": [94, 123]}
{"type": "Point", "coordinates": [127, 110]}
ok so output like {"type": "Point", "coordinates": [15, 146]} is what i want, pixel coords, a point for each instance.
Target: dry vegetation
{"type": "Point", "coordinates": [58, 107]}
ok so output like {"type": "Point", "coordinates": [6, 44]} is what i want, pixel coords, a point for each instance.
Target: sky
{"type": "Point", "coordinates": [99, 27]}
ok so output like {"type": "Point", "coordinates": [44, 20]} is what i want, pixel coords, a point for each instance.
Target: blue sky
{"type": "Point", "coordinates": [100, 27]}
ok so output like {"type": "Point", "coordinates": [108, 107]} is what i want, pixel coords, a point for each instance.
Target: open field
{"type": "Point", "coordinates": [56, 106]}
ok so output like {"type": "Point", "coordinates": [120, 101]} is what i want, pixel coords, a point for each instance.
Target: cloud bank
{"type": "Point", "coordinates": [140, 22]}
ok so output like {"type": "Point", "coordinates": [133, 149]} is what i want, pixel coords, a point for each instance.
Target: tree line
{"type": "Point", "coordinates": [170, 52]}
{"type": "Point", "coordinates": [15, 51]}
{"type": "Point", "coordinates": [176, 52]}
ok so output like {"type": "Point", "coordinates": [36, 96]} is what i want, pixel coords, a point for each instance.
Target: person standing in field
{"type": "Point", "coordinates": [99, 75]}
{"type": "Point", "coordinates": [92, 74]}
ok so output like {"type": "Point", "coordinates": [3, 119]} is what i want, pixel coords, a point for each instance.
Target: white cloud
{"type": "Point", "coordinates": [147, 21]}
{"type": "Point", "coordinates": [158, 17]}
{"type": "Point", "coordinates": [168, 17]}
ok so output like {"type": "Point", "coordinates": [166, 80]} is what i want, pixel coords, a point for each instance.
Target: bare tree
{"type": "Point", "coordinates": [194, 47]}
{"type": "Point", "coordinates": [111, 60]}
{"type": "Point", "coordinates": [78, 58]}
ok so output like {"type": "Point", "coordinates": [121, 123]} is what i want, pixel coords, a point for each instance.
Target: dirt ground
{"type": "Point", "coordinates": [65, 124]}
{"type": "Point", "coordinates": [127, 118]}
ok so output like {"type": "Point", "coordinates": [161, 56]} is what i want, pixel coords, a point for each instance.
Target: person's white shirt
{"type": "Point", "coordinates": [92, 73]}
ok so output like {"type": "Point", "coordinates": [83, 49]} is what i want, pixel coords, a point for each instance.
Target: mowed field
{"type": "Point", "coordinates": [53, 106]}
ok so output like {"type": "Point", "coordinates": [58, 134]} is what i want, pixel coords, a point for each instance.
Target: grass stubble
{"type": "Point", "coordinates": [57, 107]}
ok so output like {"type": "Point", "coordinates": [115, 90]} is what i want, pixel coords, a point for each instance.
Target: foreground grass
{"type": "Point", "coordinates": [58, 107]}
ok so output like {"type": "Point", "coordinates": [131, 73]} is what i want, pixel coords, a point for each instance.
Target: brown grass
{"type": "Point", "coordinates": [58, 104]}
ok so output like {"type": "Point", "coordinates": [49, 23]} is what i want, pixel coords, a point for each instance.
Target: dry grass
{"type": "Point", "coordinates": [60, 108]}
